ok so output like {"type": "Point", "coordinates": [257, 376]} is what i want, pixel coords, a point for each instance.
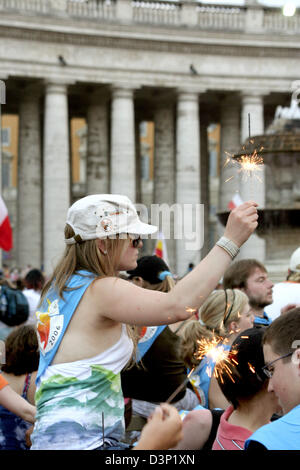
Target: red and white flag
{"type": "Point", "coordinates": [235, 202]}
{"type": "Point", "coordinates": [6, 236]}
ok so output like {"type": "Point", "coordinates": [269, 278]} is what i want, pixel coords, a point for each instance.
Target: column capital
{"type": "Point", "coordinates": [32, 90]}
{"type": "Point", "coordinates": [57, 85]}
{"type": "Point", "coordinates": [96, 95]}
{"type": "Point", "coordinates": [120, 90]}
{"type": "Point", "coordinates": [254, 94]}
{"type": "Point", "coordinates": [189, 94]}
{"type": "Point", "coordinates": [231, 100]}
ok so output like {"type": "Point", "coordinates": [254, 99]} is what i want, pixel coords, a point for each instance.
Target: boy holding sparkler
{"type": "Point", "coordinates": [281, 346]}
{"type": "Point", "coordinates": [245, 386]}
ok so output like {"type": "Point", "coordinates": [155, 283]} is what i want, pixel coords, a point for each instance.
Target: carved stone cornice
{"type": "Point", "coordinates": [156, 42]}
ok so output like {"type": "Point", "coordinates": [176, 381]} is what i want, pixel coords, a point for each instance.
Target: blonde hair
{"type": "Point", "coordinates": [164, 286]}
{"type": "Point", "coordinates": [219, 309]}
{"type": "Point", "coordinates": [85, 255]}
{"type": "Point", "coordinates": [222, 307]}
{"type": "Point", "coordinates": [192, 332]}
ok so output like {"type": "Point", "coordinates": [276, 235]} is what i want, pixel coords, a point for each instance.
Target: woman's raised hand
{"type": "Point", "coordinates": [242, 222]}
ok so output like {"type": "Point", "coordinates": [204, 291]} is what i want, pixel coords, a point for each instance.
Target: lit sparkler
{"type": "Point", "coordinates": [224, 361]}
{"type": "Point", "coordinates": [214, 349]}
{"type": "Point", "coordinates": [249, 163]}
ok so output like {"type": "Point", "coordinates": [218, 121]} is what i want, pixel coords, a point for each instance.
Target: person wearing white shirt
{"type": "Point", "coordinates": [34, 282]}
{"type": "Point", "coordinates": [286, 294]}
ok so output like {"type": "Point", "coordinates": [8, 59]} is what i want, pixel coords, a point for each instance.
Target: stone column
{"type": "Point", "coordinates": [97, 146]}
{"type": "Point", "coordinates": [29, 205]}
{"type": "Point", "coordinates": [230, 144]}
{"type": "Point", "coordinates": [123, 143]}
{"type": "Point", "coordinates": [164, 170]}
{"type": "Point", "coordinates": [254, 187]}
{"type": "Point", "coordinates": [187, 179]}
{"type": "Point", "coordinates": [253, 105]}
{"type": "Point", "coordinates": [56, 187]}
{"type": "Point", "coordinates": [205, 186]}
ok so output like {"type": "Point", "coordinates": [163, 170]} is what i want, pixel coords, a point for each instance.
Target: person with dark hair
{"type": "Point", "coordinates": [14, 403]}
{"type": "Point", "coordinates": [251, 277]}
{"type": "Point", "coordinates": [245, 386]}
{"type": "Point", "coordinates": [160, 362]}
{"type": "Point", "coordinates": [34, 282]}
{"type": "Point", "coordinates": [19, 370]}
{"type": "Point", "coordinates": [281, 347]}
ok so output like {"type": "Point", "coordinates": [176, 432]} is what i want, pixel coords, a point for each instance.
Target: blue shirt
{"type": "Point", "coordinates": [282, 434]}
{"type": "Point", "coordinates": [262, 321]}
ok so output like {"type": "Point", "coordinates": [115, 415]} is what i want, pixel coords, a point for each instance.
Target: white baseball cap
{"type": "Point", "coordinates": [103, 216]}
{"type": "Point", "coordinates": [295, 261]}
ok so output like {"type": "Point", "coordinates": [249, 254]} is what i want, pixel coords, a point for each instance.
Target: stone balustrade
{"type": "Point", "coordinates": [221, 17]}
{"type": "Point", "coordinates": [38, 6]}
{"type": "Point", "coordinates": [164, 12]}
{"type": "Point", "coordinates": [157, 12]}
{"type": "Point", "coordinates": [93, 9]}
{"type": "Point", "coordinates": [273, 21]}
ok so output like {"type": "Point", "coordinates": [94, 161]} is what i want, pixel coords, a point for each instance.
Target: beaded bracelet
{"type": "Point", "coordinates": [229, 246]}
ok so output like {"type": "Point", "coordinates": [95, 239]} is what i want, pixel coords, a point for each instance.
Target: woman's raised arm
{"type": "Point", "coordinates": [124, 302]}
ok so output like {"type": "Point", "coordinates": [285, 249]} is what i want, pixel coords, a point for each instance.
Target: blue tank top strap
{"type": "Point", "coordinates": [282, 434]}
{"type": "Point", "coordinates": [55, 314]}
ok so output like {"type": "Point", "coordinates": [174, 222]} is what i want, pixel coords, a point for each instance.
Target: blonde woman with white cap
{"type": "Point", "coordinates": [84, 309]}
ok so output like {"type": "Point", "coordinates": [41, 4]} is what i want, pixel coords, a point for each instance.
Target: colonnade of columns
{"type": "Point", "coordinates": [44, 172]}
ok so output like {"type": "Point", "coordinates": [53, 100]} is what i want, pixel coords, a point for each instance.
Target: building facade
{"type": "Point", "coordinates": [115, 64]}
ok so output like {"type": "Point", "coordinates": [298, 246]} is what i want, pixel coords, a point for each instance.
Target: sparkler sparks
{"type": "Point", "coordinates": [248, 165]}
{"type": "Point", "coordinates": [191, 310]}
{"type": "Point", "coordinates": [223, 362]}
{"type": "Point", "coordinates": [214, 349]}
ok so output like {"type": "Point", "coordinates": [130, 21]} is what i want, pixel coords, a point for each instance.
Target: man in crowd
{"type": "Point", "coordinates": [34, 282]}
{"type": "Point", "coordinates": [251, 277]}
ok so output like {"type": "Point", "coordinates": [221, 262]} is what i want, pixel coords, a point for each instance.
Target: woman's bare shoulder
{"type": "Point", "coordinates": [109, 281]}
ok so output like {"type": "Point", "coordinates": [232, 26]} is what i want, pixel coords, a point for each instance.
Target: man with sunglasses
{"type": "Point", "coordinates": [281, 345]}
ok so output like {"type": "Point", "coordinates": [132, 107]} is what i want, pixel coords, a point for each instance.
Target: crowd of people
{"type": "Point", "coordinates": [115, 354]}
